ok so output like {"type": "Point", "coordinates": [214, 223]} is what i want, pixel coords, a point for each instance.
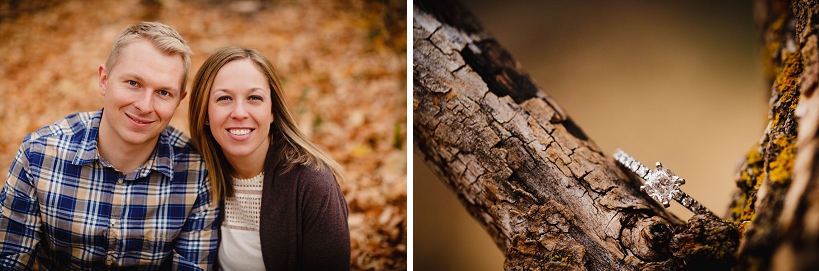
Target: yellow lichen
{"type": "Point", "coordinates": [787, 81]}
{"type": "Point", "coordinates": [773, 44]}
{"type": "Point", "coordinates": [754, 156]}
{"type": "Point", "coordinates": [750, 179]}
{"type": "Point", "coordinates": [751, 176]}
{"type": "Point", "coordinates": [748, 212]}
{"type": "Point", "coordinates": [781, 168]}
{"type": "Point", "coordinates": [557, 257]}
{"type": "Point", "coordinates": [788, 77]}
{"type": "Point", "coordinates": [739, 206]}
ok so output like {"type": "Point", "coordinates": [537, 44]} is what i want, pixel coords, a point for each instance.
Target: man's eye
{"type": "Point", "coordinates": [132, 83]}
{"type": "Point", "coordinates": [164, 93]}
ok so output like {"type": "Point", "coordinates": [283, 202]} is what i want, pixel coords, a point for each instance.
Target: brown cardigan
{"type": "Point", "coordinates": [303, 220]}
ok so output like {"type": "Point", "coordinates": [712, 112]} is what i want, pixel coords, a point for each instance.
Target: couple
{"type": "Point", "coordinates": [120, 189]}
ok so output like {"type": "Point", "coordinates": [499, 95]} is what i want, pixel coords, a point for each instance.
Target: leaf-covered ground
{"type": "Point", "coordinates": [343, 65]}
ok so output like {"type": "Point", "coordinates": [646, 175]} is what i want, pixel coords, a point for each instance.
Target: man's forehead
{"type": "Point", "coordinates": [141, 47]}
{"type": "Point", "coordinates": [146, 54]}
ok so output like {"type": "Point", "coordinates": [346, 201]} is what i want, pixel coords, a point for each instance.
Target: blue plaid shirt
{"type": "Point", "coordinates": [65, 205]}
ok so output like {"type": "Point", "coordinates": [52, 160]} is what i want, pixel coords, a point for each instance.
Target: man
{"type": "Point", "coordinates": [115, 188]}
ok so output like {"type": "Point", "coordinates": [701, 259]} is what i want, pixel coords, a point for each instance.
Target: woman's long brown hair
{"type": "Point", "coordinates": [293, 146]}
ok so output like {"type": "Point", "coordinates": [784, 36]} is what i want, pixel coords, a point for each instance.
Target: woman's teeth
{"type": "Point", "coordinates": [239, 132]}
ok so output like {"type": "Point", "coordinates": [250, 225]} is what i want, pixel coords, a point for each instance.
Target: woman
{"type": "Point", "coordinates": [283, 209]}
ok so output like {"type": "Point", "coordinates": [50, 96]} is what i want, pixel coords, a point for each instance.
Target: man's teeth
{"type": "Point", "coordinates": [138, 121]}
{"type": "Point", "coordinates": [239, 132]}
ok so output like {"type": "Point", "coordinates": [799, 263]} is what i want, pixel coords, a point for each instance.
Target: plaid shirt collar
{"type": "Point", "coordinates": [161, 159]}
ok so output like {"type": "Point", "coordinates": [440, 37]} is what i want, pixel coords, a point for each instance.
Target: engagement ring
{"type": "Point", "coordinates": [661, 184]}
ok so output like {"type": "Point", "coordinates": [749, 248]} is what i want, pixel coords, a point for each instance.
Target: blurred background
{"type": "Point", "coordinates": [343, 65]}
{"type": "Point", "coordinates": [677, 82]}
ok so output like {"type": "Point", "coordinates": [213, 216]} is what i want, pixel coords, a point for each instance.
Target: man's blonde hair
{"type": "Point", "coordinates": [162, 36]}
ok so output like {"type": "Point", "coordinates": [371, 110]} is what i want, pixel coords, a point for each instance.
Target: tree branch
{"type": "Point", "coordinates": [546, 194]}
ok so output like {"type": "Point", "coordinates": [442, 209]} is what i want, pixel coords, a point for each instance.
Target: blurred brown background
{"type": "Point", "coordinates": [342, 64]}
{"type": "Point", "coordinates": [680, 83]}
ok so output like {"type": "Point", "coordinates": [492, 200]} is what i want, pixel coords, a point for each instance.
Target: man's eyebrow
{"type": "Point", "coordinates": [141, 79]}
{"type": "Point", "coordinates": [133, 75]}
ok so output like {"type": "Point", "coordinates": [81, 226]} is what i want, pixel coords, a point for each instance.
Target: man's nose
{"type": "Point", "coordinates": [144, 101]}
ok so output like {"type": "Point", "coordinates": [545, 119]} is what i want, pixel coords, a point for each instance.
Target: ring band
{"type": "Point", "coordinates": [661, 184]}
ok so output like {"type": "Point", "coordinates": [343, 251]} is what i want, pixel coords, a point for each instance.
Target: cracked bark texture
{"type": "Point", "coordinates": [544, 192]}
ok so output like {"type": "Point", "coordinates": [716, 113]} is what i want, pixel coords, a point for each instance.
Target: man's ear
{"type": "Point", "coordinates": [184, 94]}
{"type": "Point", "coordinates": [103, 78]}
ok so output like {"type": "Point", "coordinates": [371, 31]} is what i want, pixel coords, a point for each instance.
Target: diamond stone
{"type": "Point", "coordinates": [687, 201]}
{"type": "Point", "coordinates": [662, 184]}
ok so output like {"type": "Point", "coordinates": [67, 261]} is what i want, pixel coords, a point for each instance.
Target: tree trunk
{"type": "Point", "coordinates": [796, 238]}
{"type": "Point", "coordinates": [546, 194]}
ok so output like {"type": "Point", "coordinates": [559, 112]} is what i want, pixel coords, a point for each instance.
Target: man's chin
{"type": "Point", "coordinates": [141, 137]}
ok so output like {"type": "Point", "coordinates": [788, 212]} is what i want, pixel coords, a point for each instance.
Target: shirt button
{"type": "Point", "coordinates": [119, 181]}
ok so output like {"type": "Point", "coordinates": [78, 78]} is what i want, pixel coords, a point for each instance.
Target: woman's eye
{"type": "Point", "coordinates": [255, 97]}
{"type": "Point", "coordinates": [222, 98]}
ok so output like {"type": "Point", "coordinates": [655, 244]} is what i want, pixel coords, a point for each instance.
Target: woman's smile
{"type": "Point", "coordinates": [240, 111]}
{"type": "Point", "coordinates": [240, 134]}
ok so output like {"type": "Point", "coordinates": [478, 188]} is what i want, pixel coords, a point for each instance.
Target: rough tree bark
{"type": "Point", "coordinates": [546, 194]}
{"type": "Point", "coordinates": [766, 177]}
{"type": "Point", "coordinates": [550, 198]}
{"type": "Point", "coordinates": [794, 27]}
